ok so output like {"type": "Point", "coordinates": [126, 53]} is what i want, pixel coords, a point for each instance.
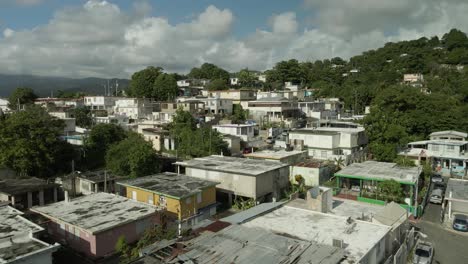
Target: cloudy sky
{"type": "Point", "coordinates": [114, 38]}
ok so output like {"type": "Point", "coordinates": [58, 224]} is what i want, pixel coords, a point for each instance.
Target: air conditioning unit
{"type": "Point", "coordinates": [338, 243]}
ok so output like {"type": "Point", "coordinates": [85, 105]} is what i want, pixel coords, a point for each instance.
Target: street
{"type": "Point", "coordinates": [449, 245]}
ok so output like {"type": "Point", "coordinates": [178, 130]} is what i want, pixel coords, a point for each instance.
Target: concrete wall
{"type": "Point", "coordinates": [43, 257]}
{"type": "Point", "coordinates": [377, 254]}
{"type": "Point", "coordinates": [311, 176]}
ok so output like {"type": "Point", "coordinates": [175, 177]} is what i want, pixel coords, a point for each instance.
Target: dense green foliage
{"type": "Point", "coordinates": [101, 137]}
{"type": "Point", "coordinates": [239, 115]}
{"type": "Point", "coordinates": [209, 71]}
{"type": "Point", "coordinates": [192, 142]}
{"type": "Point", "coordinates": [133, 156]}
{"type": "Point", "coordinates": [247, 78]}
{"type": "Point", "coordinates": [217, 85]}
{"type": "Point", "coordinates": [83, 117]}
{"type": "Point", "coordinates": [165, 87]}
{"type": "Point", "coordinates": [390, 190]}
{"type": "Point", "coordinates": [141, 84]}
{"type": "Point", "coordinates": [23, 96]}
{"type": "Point", "coordinates": [30, 144]}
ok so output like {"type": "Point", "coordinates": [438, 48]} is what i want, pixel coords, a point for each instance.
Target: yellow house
{"type": "Point", "coordinates": [185, 198]}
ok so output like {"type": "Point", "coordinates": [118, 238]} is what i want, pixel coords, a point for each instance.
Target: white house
{"type": "Point", "coordinates": [413, 78]}
{"type": "Point", "coordinates": [262, 78]}
{"type": "Point", "coordinates": [244, 131]}
{"type": "Point", "coordinates": [446, 149]}
{"type": "Point", "coordinates": [273, 109]}
{"type": "Point", "coordinates": [133, 108]}
{"type": "Point", "coordinates": [326, 108]}
{"type": "Point", "coordinates": [184, 83]}
{"type": "Point", "coordinates": [328, 143]}
{"type": "Point", "coordinates": [216, 105]}
{"type": "Point", "coordinates": [100, 102]}
{"type": "Point", "coordinates": [234, 81]}
{"type": "Point", "coordinates": [291, 86]}
{"type": "Point", "coordinates": [4, 105]}
{"type": "Point", "coordinates": [288, 94]}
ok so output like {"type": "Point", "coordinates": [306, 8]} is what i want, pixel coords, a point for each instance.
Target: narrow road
{"type": "Point", "coordinates": [449, 246]}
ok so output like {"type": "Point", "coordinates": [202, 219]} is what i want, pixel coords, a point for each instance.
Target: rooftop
{"type": "Point", "coordinates": [13, 224]}
{"type": "Point", "coordinates": [97, 176]}
{"type": "Point", "coordinates": [355, 209]}
{"type": "Point", "coordinates": [233, 165]}
{"type": "Point", "coordinates": [381, 171]}
{"type": "Point", "coordinates": [275, 155]}
{"type": "Point", "coordinates": [391, 214]}
{"type": "Point", "coordinates": [449, 132]}
{"type": "Point", "coordinates": [97, 212]}
{"type": "Point", "coordinates": [246, 245]}
{"type": "Point", "coordinates": [358, 236]}
{"type": "Point", "coordinates": [310, 163]}
{"type": "Point", "coordinates": [12, 186]}
{"type": "Point", "coordinates": [169, 184]}
{"type": "Point", "coordinates": [440, 142]}
{"type": "Point", "coordinates": [235, 125]}
{"type": "Point", "coordinates": [17, 247]}
{"type": "Point", "coordinates": [459, 189]}
{"type": "Point", "coordinates": [271, 99]}
{"type": "Point", "coordinates": [253, 212]}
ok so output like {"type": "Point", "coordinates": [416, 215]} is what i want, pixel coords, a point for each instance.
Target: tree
{"type": "Point", "coordinates": [30, 143]}
{"type": "Point", "coordinates": [209, 71]}
{"type": "Point", "coordinates": [23, 96]}
{"type": "Point", "coordinates": [101, 137]}
{"type": "Point", "coordinates": [455, 39]}
{"type": "Point", "coordinates": [390, 190]}
{"type": "Point", "coordinates": [239, 115]}
{"type": "Point", "coordinates": [165, 88]}
{"type": "Point", "coordinates": [217, 85]}
{"type": "Point", "coordinates": [83, 117]}
{"type": "Point", "coordinates": [246, 78]}
{"type": "Point", "coordinates": [133, 156]}
{"type": "Point", "coordinates": [142, 82]}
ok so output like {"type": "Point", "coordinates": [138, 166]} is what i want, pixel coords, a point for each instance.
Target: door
{"type": "Point", "coordinates": [134, 195]}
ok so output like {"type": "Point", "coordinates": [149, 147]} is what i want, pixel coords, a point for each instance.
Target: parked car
{"type": "Point", "coordinates": [437, 178]}
{"type": "Point", "coordinates": [460, 223]}
{"type": "Point", "coordinates": [356, 188]}
{"type": "Point", "coordinates": [439, 185]}
{"type": "Point", "coordinates": [423, 253]}
{"type": "Point", "coordinates": [436, 196]}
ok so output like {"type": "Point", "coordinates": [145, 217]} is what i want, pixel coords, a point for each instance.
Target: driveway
{"type": "Point", "coordinates": [450, 247]}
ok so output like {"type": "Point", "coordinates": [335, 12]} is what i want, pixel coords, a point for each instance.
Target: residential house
{"type": "Point", "coordinates": [291, 86]}
{"type": "Point", "coordinates": [274, 109]}
{"type": "Point", "coordinates": [187, 200]}
{"type": "Point", "coordinates": [241, 96]}
{"type": "Point", "coordinates": [133, 108]}
{"type": "Point", "coordinates": [184, 83]}
{"type": "Point", "coordinates": [447, 151]}
{"type": "Point", "coordinates": [360, 181]}
{"type": "Point", "coordinates": [256, 179]}
{"type": "Point", "coordinates": [105, 103]}
{"type": "Point", "coordinates": [245, 131]}
{"type": "Point", "coordinates": [234, 81]}
{"type": "Point", "coordinates": [24, 193]}
{"type": "Point", "coordinates": [396, 217]}
{"type": "Point", "coordinates": [216, 105]}
{"type": "Point", "coordinates": [279, 93]}
{"type": "Point", "coordinates": [234, 144]}
{"type": "Point", "coordinates": [242, 245]}
{"type": "Point", "coordinates": [284, 156]}
{"type": "Point", "coordinates": [330, 143]}
{"type": "Point", "coordinates": [68, 119]}
{"type": "Point", "coordinates": [363, 242]}
{"type": "Point", "coordinates": [157, 137]}
{"type": "Point", "coordinates": [411, 78]}
{"type": "Point", "coordinates": [4, 105]}
{"type": "Point", "coordinates": [455, 199]}
{"type": "Point", "coordinates": [168, 109]}
{"type": "Point", "coordinates": [262, 78]}
{"type": "Point", "coordinates": [120, 120]}
{"type": "Point", "coordinates": [92, 224]}
{"type": "Point", "coordinates": [326, 108]}
{"type": "Point", "coordinates": [89, 182]}
{"type": "Point", "coordinates": [313, 172]}
{"type": "Point", "coordinates": [19, 242]}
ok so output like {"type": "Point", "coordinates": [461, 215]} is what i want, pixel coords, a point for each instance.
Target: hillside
{"type": "Point", "coordinates": [45, 86]}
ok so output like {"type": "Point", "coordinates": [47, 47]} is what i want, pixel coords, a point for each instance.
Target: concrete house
{"type": "Point", "coordinates": [244, 131]}
{"type": "Point", "coordinates": [4, 105]}
{"type": "Point", "coordinates": [313, 172]}
{"type": "Point", "coordinates": [241, 96]}
{"type": "Point", "coordinates": [18, 239]}
{"type": "Point", "coordinates": [446, 150]}
{"type": "Point", "coordinates": [326, 108]}
{"type": "Point", "coordinates": [88, 182]}
{"type": "Point", "coordinates": [92, 224]}
{"type": "Point", "coordinates": [101, 102]}
{"type": "Point", "coordinates": [283, 156]}
{"type": "Point", "coordinates": [455, 199]}
{"type": "Point", "coordinates": [273, 109]}
{"type": "Point", "coordinates": [24, 193]}
{"type": "Point", "coordinates": [256, 179]}
{"type": "Point", "coordinates": [156, 136]}
{"type": "Point", "coordinates": [133, 108]}
{"type": "Point", "coordinates": [329, 143]}
{"type": "Point", "coordinates": [216, 105]}
{"type": "Point", "coordinates": [359, 181]}
{"type": "Point", "coordinates": [186, 199]}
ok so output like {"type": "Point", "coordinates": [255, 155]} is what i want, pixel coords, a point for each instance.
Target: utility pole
{"type": "Point", "coordinates": [105, 181]}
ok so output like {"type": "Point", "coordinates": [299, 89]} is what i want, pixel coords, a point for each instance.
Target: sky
{"type": "Point", "coordinates": [114, 38]}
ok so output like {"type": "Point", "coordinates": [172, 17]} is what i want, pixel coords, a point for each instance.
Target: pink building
{"type": "Point", "coordinates": [92, 224]}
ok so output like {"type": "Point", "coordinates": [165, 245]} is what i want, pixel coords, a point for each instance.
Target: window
{"type": "Point", "coordinates": [435, 147]}
{"type": "Point", "coordinates": [199, 197]}
{"type": "Point", "coordinates": [323, 154]}
{"type": "Point", "coordinates": [134, 195]}
{"type": "Point", "coordinates": [450, 147]}
{"type": "Point", "coordinates": [150, 199]}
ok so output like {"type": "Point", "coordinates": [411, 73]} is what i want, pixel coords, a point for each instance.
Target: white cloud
{"type": "Point", "coordinates": [100, 39]}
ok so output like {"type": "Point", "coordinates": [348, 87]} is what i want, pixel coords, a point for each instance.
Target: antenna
{"type": "Point", "coordinates": [108, 88]}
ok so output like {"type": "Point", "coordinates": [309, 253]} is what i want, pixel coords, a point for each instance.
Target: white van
{"type": "Point", "coordinates": [436, 196]}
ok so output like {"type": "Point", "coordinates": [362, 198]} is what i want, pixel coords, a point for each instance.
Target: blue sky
{"type": "Point", "coordinates": [114, 38]}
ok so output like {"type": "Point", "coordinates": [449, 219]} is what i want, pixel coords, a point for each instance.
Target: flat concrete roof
{"type": "Point", "coordinates": [13, 224]}
{"type": "Point", "coordinates": [97, 176]}
{"type": "Point", "coordinates": [97, 212]}
{"type": "Point", "coordinates": [459, 189]}
{"type": "Point", "coordinates": [246, 245]}
{"type": "Point", "coordinates": [274, 155]}
{"type": "Point", "coordinates": [253, 212]}
{"type": "Point", "coordinates": [169, 184]}
{"type": "Point", "coordinates": [355, 209]}
{"type": "Point", "coordinates": [235, 125]}
{"type": "Point", "coordinates": [12, 186]}
{"type": "Point", "coordinates": [381, 171]}
{"type": "Point", "coordinates": [359, 237]}
{"type": "Point", "coordinates": [233, 165]}
{"type": "Point", "coordinates": [449, 132]}
{"type": "Point", "coordinates": [19, 246]}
